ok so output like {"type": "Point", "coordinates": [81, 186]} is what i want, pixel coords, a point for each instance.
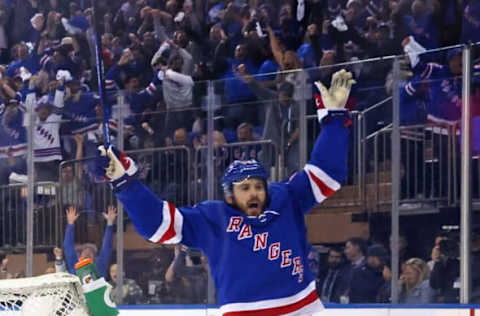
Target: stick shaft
{"type": "Point", "coordinates": [100, 75]}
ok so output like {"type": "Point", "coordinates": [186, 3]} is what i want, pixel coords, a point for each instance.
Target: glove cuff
{"type": "Point", "coordinates": [120, 183]}
{"type": "Point", "coordinates": [326, 116]}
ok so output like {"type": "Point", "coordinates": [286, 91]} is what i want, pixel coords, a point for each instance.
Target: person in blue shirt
{"type": "Point", "coordinates": [237, 92]}
{"type": "Point", "coordinates": [256, 237]}
{"type": "Point", "coordinates": [420, 24]}
{"type": "Point", "coordinates": [23, 59]}
{"type": "Point", "coordinates": [104, 257]}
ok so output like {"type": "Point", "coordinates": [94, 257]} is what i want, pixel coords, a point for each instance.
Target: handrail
{"type": "Point", "coordinates": [380, 131]}
{"type": "Point", "coordinates": [376, 105]}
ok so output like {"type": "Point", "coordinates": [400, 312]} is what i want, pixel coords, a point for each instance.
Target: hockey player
{"type": "Point", "coordinates": [255, 240]}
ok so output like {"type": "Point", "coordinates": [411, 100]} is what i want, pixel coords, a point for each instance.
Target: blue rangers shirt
{"type": "Point", "coordinates": [13, 135]}
{"type": "Point", "coordinates": [82, 113]}
{"type": "Point", "coordinates": [445, 97]}
{"type": "Point", "coordinates": [259, 264]}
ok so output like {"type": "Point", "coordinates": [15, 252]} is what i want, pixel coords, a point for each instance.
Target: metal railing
{"type": "Point", "coordinates": [428, 153]}
{"type": "Point", "coordinates": [13, 215]}
{"type": "Point", "coordinates": [263, 150]}
{"type": "Point", "coordinates": [428, 166]}
{"type": "Point", "coordinates": [166, 171]}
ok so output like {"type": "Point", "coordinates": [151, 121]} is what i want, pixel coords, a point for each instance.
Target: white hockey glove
{"type": "Point", "coordinates": [115, 166]}
{"type": "Point", "coordinates": [334, 99]}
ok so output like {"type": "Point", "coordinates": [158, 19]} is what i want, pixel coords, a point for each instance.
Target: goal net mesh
{"type": "Point", "coordinates": [56, 294]}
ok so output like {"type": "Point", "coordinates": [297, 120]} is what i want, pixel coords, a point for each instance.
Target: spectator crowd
{"type": "Point", "coordinates": [360, 272]}
{"type": "Point", "coordinates": [160, 54]}
{"type": "Point", "coordinates": [262, 57]}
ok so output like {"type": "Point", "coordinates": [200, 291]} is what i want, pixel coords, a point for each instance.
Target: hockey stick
{"type": "Point", "coordinates": [100, 75]}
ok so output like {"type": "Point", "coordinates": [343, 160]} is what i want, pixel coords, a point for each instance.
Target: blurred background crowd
{"type": "Point", "coordinates": [261, 58]}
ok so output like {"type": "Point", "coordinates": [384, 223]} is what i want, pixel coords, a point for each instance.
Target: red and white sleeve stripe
{"type": "Point", "coordinates": [323, 186]}
{"type": "Point", "coordinates": [410, 89]}
{"type": "Point", "coordinates": [170, 231]}
{"type": "Point", "coordinates": [151, 89]}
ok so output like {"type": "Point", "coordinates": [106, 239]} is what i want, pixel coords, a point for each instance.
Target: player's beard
{"type": "Point", "coordinates": [249, 211]}
{"type": "Point", "coordinates": [262, 207]}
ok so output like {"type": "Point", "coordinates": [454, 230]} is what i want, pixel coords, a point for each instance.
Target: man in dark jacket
{"type": "Point", "coordinates": [364, 282]}
{"type": "Point", "coordinates": [377, 260]}
{"type": "Point", "coordinates": [332, 278]}
{"type": "Point", "coordinates": [446, 270]}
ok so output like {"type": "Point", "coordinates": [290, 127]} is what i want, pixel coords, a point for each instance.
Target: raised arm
{"type": "Point", "coordinates": [69, 242]}
{"type": "Point", "coordinates": [275, 46]}
{"type": "Point", "coordinates": [156, 220]}
{"type": "Point", "coordinates": [327, 167]}
{"type": "Point", "coordinates": [260, 91]}
{"type": "Point", "coordinates": [104, 256]}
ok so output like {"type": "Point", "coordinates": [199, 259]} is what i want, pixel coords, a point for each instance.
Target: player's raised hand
{"type": "Point", "coordinates": [72, 215]}
{"type": "Point", "coordinates": [336, 97]}
{"type": "Point", "coordinates": [115, 166]}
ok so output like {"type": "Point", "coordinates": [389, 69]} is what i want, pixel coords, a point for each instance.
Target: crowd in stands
{"type": "Point", "coordinates": [159, 55]}
{"type": "Point", "coordinates": [361, 273]}
{"type": "Point", "coordinates": [161, 52]}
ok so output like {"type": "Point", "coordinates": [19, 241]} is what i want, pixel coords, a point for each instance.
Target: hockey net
{"type": "Point", "coordinates": [57, 294]}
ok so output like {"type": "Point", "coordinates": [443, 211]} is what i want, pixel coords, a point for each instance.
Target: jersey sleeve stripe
{"type": "Point", "coordinates": [427, 73]}
{"type": "Point", "coordinates": [151, 89]}
{"type": "Point", "coordinates": [170, 231]}
{"type": "Point", "coordinates": [409, 89]}
{"type": "Point", "coordinates": [323, 186]}
{"type": "Point", "coordinates": [282, 306]}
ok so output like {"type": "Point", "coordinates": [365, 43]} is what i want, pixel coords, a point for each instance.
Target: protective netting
{"type": "Point", "coordinates": [57, 294]}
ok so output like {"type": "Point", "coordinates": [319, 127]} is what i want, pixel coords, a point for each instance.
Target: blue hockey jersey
{"type": "Point", "coordinates": [13, 135]}
{"type": "Point", "coordinates": [82, 113]}
{"type": "Point", "coordinates": [445, 93]}
{"type": "Point", "coordinates": [412, 103]}
{"type": "Point", "coordinates": [259, 264]}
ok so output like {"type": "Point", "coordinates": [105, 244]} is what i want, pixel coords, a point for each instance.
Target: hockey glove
{"type": "Point", "coordinates": [115, 166]}
{"type": "Point", "coordinates": [332, 101]}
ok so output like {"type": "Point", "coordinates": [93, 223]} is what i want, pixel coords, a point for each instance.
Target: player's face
{"type": "Point", "coordinates": [249, 196]}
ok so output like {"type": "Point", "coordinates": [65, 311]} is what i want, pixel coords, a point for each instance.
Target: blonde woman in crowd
{"type": "Point", "coordinates": [414, 285]}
